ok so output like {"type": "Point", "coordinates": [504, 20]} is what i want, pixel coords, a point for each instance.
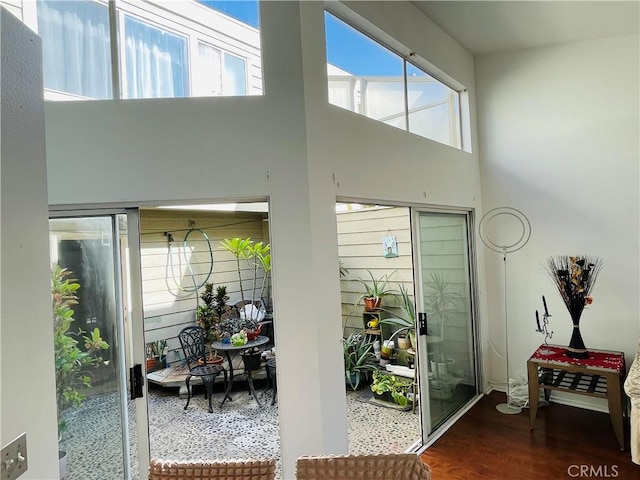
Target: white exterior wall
{"type": "Point", "coordinates": [27, 386]}
{"type": "Point", "coordinates": [559, 140]}
{"type": "Point", "coordinates": [286, 145]}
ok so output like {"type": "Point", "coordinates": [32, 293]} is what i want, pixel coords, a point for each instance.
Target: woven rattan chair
{"type": "Point", "coordinates": [401, 466]}
{"type": "Point", "coordinates": [263, 469]}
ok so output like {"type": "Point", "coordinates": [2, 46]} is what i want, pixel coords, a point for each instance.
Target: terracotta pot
{"type": "Point", "coordinates": [213, 359]}
{"type": "Point", "coordinates": [152, 364]}
{"type": "Point", "coordinates": [216, 359]}
{"type": "Point", "coordinates": [371, 304]}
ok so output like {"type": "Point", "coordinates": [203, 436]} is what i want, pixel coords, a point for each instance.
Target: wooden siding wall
{"type": "Point", "coordinates": [169, 301]}
{"type": "Point", "coordinates": [360, 234]}
{"type": "Point", "coordinates": [443, 244]}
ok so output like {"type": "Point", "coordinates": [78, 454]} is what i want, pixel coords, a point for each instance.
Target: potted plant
{"type": "Point", "coordinates": [405, 322]}
{"type": "Point", "coordinates": [209, 316]}
{"type": "Point", "coordinates": [388, 387]}
{"type": "Point", "coordinates": [359, 359]}
{"type": "Point", "coordinates": [156, 355]}
{"type": "Point", "coordinates": [73, 364]}
{"type": "Point", "coordinates": [375, 291]}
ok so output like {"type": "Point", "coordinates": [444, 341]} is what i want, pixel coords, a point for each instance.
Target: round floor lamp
{"type": "Point", "coordinates": [505, 214]}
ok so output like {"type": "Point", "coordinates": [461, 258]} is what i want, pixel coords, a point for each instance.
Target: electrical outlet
{"type": "Point", "coordinates": [14, 458]}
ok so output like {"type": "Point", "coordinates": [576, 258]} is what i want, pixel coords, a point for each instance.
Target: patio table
{"type": "Point", "coordinates": [229, 349]}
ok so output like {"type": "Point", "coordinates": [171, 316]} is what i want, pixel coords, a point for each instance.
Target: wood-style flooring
{"type": "Point", "coordinates": [567, 442]}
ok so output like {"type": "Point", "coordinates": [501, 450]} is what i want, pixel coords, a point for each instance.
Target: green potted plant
{"type": "Point", "coordinates": [209, 316]}
{"type": "Point", "coordinates": [359, 359]}
{"type": "Point", "coordinates": [388, 387]}
{"type": "Point", "coordinates": [73, 365]}
{"type": "Point", "coordinates": [406, 321]}
{"type": "Point", "coordinates": [375, 290]}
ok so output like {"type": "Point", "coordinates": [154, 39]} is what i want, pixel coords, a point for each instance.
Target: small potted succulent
{"type": "Point", "coordinates": [375, 290]}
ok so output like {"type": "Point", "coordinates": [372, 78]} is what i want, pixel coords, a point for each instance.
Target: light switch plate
{"type": "Point", "coordinates": [14, 458]}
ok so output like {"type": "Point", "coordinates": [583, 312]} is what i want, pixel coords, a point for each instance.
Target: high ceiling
{"type": "Point", "coordinates": [484, 27]}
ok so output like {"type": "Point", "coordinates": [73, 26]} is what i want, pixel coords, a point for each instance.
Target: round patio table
{"type": "Point", "coordinates": [229, 349]}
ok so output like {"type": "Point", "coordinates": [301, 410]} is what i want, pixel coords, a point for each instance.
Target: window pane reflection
{"type": "Point", "coordinates": [76, 49]}
{"type": "Point", "coordinates": [155, 62]}
{"type": "Point", "coordinates": [433, 108]}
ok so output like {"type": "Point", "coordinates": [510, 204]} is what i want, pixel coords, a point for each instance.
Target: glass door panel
{"type": "Point", "coordinates": [444, 292]}
{"type": "Point", "coordinates": [96, 418]}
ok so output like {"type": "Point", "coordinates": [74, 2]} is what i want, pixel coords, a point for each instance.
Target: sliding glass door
{"type": "Point", "coordinates": [444, 301]}
{"type": "Point", "coordinates": [94, 320]}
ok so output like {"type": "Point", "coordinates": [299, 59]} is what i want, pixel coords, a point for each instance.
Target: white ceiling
{"type": "Point", "coordinates": [484, 27]}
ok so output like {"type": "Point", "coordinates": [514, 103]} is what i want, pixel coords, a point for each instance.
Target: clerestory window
{"type": "Point", "coordinates": [368, 78]}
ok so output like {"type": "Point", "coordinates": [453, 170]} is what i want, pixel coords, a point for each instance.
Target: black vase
{"type": "Point", "coordinates": [576, 348]}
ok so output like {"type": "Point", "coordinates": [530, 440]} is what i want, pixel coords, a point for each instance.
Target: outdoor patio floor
{"type": "Point", "coordinates": [240, 429]}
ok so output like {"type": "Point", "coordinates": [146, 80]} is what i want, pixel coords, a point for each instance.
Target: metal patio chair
{"type": "Point", "coordinates": [193, 348]}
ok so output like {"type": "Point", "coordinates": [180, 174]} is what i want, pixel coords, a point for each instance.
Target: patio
{"type": "Point", "coordinates": [240, 429]}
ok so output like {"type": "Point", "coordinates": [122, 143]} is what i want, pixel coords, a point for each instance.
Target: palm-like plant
{"type": "Point", "coordinates": [441, 300]}
{"type": "Point", "coordinates": [239, 248]}
{"type": "Point", "coordinates": [258, 257]}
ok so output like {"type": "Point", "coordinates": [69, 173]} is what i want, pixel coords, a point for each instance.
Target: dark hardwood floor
{"type": "Point", "coordinates": [567, 442]}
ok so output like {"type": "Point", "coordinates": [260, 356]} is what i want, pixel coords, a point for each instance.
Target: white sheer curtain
{"type": "Point", "coordinates": [207, 81]}
{"type": "Point", "coordinates": [155, 62]}
{"type": "Point", "coordinates": [76, 52]}
{"type": "Point", "coordinates": [235, 75]}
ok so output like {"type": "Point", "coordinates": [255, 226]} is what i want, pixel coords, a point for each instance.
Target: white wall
{"type": "Point", "coordinates": [287, 146]}
{"type": "Point", "coordinates": [27, 398]}
{"type": "Point", "coordinates": [559, 141]}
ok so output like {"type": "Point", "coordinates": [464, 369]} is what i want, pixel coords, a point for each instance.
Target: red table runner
{"type": "Point", "coordinates": [597, 358]}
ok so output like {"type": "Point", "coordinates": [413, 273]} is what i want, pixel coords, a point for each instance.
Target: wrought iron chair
{"type": "Point", "coordinates": [262, 469]}
{"type": "Point", "coordinates": [193, 348]}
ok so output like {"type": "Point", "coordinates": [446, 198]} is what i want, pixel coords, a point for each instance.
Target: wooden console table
{"type": "Point", "coordinates": [601, 375]}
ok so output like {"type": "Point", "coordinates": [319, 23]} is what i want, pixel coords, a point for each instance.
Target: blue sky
{"type": "Point", "coordinates": [347, 48]}
{"type": "Point", "coordinates": [356, 53]}
{"type": "Point", "coordinates": [245, 11]}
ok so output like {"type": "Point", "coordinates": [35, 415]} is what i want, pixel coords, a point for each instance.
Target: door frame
{"type": "Point", "coordinates": [130, 325]}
